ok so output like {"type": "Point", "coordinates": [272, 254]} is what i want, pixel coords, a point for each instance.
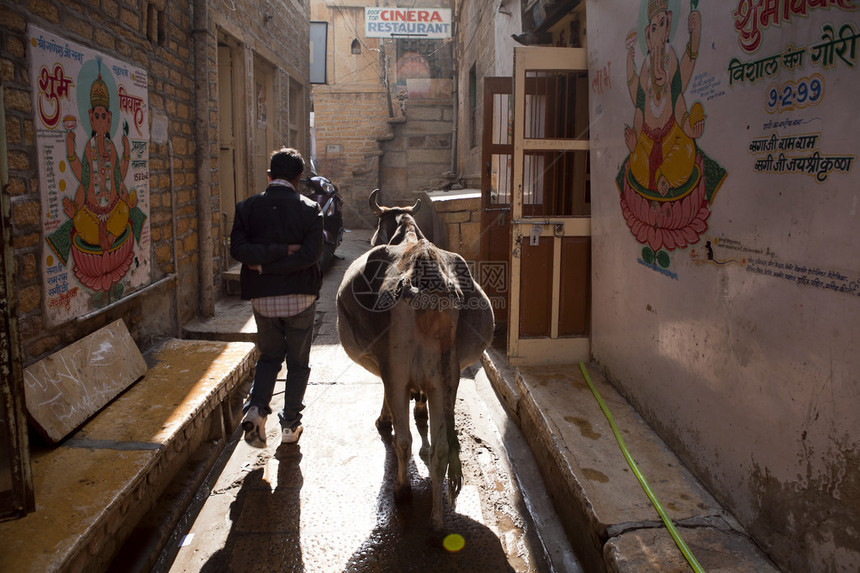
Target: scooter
{"type": "Point", "coordinates": [324, 192]}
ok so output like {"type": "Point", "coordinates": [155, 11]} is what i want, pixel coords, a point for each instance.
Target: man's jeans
{"type": "Point", "coordinates": [277, 339]}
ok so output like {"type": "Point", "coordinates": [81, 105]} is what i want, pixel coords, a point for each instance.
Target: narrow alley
{"type": "Point", "coordinates": [326, 504]}
{"type": "Point", "coordinates": [654, 196]}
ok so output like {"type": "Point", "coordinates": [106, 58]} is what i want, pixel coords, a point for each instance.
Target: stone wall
{"type": "Point", "coordinates": [460, 213]}
{"type": "Point", "coordinates": [419, 155]}
{"type": "Point", "coordinates": [348, 125]}
{"type": "Point", "coordinates": [277, 34]}
{"type": "Point", "coordinates": [118, 29]}
{"type": "Point", "coordinates": [351, 110]}
{"type": "Point", "coordinates": [484, 44]}
{"type": "Point", "coordinates": [185, 210]}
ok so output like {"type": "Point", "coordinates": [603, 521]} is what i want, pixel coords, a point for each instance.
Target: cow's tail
{"type": "Point", "coordinates": [455, 469]}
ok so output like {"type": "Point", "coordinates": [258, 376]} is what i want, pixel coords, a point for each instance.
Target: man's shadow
{"type": "Point", "coordinates": [404, 541]}
{"type": "Point", "coordinates": [266, 522]}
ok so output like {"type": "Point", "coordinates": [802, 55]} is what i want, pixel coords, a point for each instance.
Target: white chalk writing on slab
{"type": "Point", "coordinates": [65, 389]}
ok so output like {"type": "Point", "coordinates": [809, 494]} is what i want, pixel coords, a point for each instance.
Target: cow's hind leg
{"type": "Point", "coordinates": [444, 449]}
{"type": "Point", "coordinates": [397, 400]}
{"type": "Point", "coordinates": [420, 415]}
{"type": "Point", "coordinates": [383, 422]}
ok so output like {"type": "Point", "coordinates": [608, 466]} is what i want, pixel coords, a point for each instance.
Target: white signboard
{"type": "Point", "coordinates": [407, 22]}
{"type": "Point", "coordinates": [92, 139]}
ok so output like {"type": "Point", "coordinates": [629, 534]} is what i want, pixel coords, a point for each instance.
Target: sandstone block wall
{"type": "Point", "coordinates": [158, 36]}
{"type": "Point", "coordinates": [420, 153]}
{"type": "Point", "coordinates": [347, 126]}
{"type": "Point", "coordinates": [460, 211]}
{"type": "Point", "coordinates": [120, 29]}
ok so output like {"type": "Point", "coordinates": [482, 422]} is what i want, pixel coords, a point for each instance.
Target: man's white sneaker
{"type": "Point", "coordinates": [254, 425]}
{"type": "Point", "coordinates": [291, 436]}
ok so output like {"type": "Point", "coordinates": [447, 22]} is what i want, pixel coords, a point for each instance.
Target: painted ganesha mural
{"type": "Point", "coordinates": [103, 219]}
{"type": "Point", "coordinates": [667, 183]}
{"type": "Point", "coordinates": [92, 139]}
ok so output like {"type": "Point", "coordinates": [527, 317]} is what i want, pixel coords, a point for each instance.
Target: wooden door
{"type": "Point", "coordinates": [227, 140]}
{"type": "Point", "coordinates": [551, 207]}
{"type": "Point", "coordinates": [496, 159]}
{"type": "Point", "coordinates": [264, 122]}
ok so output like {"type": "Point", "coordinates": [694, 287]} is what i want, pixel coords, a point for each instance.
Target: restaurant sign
{"type": "Point", "coordinates": [407, 22]}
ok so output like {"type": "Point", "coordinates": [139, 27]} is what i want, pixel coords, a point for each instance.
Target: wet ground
{"type": "Point", "coordinates": [326, 504]}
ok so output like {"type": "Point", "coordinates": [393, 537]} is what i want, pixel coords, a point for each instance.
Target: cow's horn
{"type": "Point", "coordinates": [374, 205]}
{"type": "Point", "coordinates": [416, 206]}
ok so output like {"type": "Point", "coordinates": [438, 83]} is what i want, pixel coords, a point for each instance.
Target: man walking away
{"type": "Point", "coordinates": [277, 236]}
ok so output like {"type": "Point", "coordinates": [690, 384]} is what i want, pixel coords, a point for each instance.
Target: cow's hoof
{"type": "Point", "coordinates": [437, 535]}
{"type": "Point", "coordinates": [419, 412]}
{"type": "Point", "coordinates": [436, 538]}
{"type": "Point", "coordinates": [421, 425]}
{"type": "Point", "coordinates": [424, 451]}
{"type": "Point", "coordinates": [402, 493]}
{"type": "Point", "coordinates": [384, 427]}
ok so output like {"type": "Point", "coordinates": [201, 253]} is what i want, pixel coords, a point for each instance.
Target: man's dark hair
{"type": "Point", "coordinates": [286, 163]}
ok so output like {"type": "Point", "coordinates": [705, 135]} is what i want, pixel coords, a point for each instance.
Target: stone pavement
{"type": "Point", "coordinates": [608, 519]}
{"type": "Point", "coordinates": [326, 503]}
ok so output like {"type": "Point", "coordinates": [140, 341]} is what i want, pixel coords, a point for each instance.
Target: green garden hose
{"type": "Point", "coordinates": [688, 555]}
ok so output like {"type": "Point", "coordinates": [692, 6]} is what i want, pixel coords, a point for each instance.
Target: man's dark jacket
{"type": "Point", "coordinates": [264, 226]}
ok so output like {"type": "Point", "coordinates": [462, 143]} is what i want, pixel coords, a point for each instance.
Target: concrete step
{"type": "Point", "coordinates": [231, 279]}
{"type": "Point", "coordinates": [94, 487]}
{"type": "Point", "coordinates": [233, 321]}
{"type": "Point", "coordinates": [609, 519]}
